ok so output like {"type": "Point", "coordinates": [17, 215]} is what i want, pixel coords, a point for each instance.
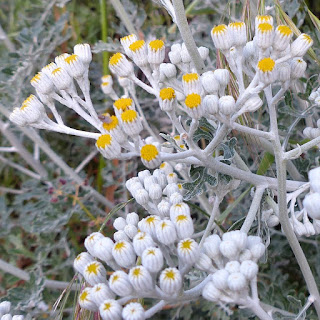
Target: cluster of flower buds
{"type": "Point", "coordinates": [312, 133]}
{"type": "Point", "coordinates": [315, 96]}
{"type": "Point", "coordinates": [5, 313]}
{"type": "Point", "coordinates": [235, 257]}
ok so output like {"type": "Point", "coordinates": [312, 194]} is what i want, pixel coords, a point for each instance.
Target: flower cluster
{"type": "Point", "coordinates": [5, 313]}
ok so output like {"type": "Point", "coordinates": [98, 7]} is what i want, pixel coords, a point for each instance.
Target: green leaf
{"type": "Point", "coordinates": [228, 148]}
{"type": "Point", "coordinates": [266, 162]}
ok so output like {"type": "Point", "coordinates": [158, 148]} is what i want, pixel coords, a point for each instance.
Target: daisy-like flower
{"type": "Point", "coordinates": [178, 209]}
{"type": "Point", "coordinates": [166, 232]}
{"type": "Point", "coordinates": [263, 19]}
{"type": "Point", "coordinates": [266, 70]}
{"type": "Point", "coordinates": [81, 261]}
{"type": "Point", "coordinates": [83, 51]}
{"type": "Point", "coordinates": [227, 105]}
{"type": "Point", "coordinates": [139, 53]}
{"type": "Point", "coordinates": [298, 68]}
{"type": "Point", "coordinates": [149, 224]}
{"type": "Point", "coordinates": [221, 37]}
{"type": "Point", "coordinates": [74, 66]}
{"type": "Point", "coordinates": [188, 251]}
{"type": "Point", "coordinates": [167, 98]}
{"type": "Point", "coordinates": [86, 300]}
{"type": "Point", "coordinates": [131, 122]}
{"type": "Point", "coordinates": [301, 45]}
{"type": "Point", "coordinates": [156, 52]}
{"type": "Point", "coordinates": [42, 83]}
{"type": "Point", "coordinates": [119, 283]}
{"type": "Point", "coordinates": [123, 253]}
{"type": "Point", "coordinates": [123, 104]}
{"type": "Point", "coordinates": [94, 273]}
{"type": "Point", "coordinates": [150, 156]}
{"type": "Point", "coordinates": [112, 126]}
{"type": "Point", "coordinates": [170, 281]}
{"type": "Point", "coordinates": [264, 35]}
{"type": "Point", "coordinates": [141, 279]}
{"type": "Point", "coordinates": [108, 146]}
{"type": "Point", "coordinates": [238, 33]}
{"type": "Point", "coordinates": [49, 68]}
{"type": "Point", "coordinates": [126, 42]}
{"type": "Point", "coordinates": [152, 259]}
{"type": "Point", "coordinates": [101, 292]}
{"type": "Point", "coordinates": [194, 106]}
{"type": "Point", "coordinates": [282, 37]}
{"type": "Point", "coordinates": [191, 83]}
{"type": "Point", "coordinates": [133, 311]}
{"type": "Point", "coordinates": [110, 310]}
{"type": "Point", "coordinates": [61, 79]}
{"type": "Point", "coordinates": [142, 241]}
{"type": "Point", "coordinates": [91, 240]}
{"type": "Point", "coordinates": [120, 66]}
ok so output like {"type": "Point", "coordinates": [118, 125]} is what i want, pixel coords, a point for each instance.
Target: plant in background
{"type": "Point", "coordinates": [168, 255]}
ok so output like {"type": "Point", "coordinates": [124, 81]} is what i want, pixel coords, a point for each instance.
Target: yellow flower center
{"type": "Point", "coordinates": [104, 140]}
{"type": "Point", "coordinates": [26, 102]}
{"type": "Point", "coordinates": [106, 78]}
{"type": "Point", "coordinates": [149, 152]}
{"type": "Point", "coordinates": [219, 29]}
{"type": "Point", "coordinates": [181, 217]}
{"type": "Point", "coordinates": [97, 289]}
{"type": "Point", "coordinates": [49, 66]}
{"type": "Point", "coordinates": [105, 84]}
{"type": "Point", "coordinates": [190, 77]}
{"type": "Point", "coordinates": [265, 27]}
{"type": "Point", "coordinates": [71, 59]}
{"type": "Point", "coordinates": [266, 65]}
{"type": "Point", "coordinates": [167, 94]}
{"type": "Point", "coordinates": [128, 37]}
{"type": "Point", "coordinates": [180, 186]}
{"type": "Point", "coordinates": [150, 220]}
{"type": "Point", "coordinates": [84, 295]}
{"type": "Point", "coordinates": [111, 125]}
{"type": "Point", "coordinates": [123, 104]}
{"type": "Point", "coordinates": [92, 268]}
{"type": "Point", "coordinates": [137, 272]}
{"type": "Point", "coordinates": [151, 252]}
{"type": "Point", "coordinates": [129, 116]}
{"type": "Point", "coordinates": [115, 278]}
{"type": "Point", "coordinates": [163, 225]}
{"type": "Point", "coordinates": [170, 275]}
{"type": "Point", "coordinates": [264, 18]}
{"type": "Point", "coordinates": [307, 38]}
{"type": "Point", "coordinates": [137, 45]}
{"type": "Point", "coordinates": [107, 306]}
{"type": "Point", "coordinates": [57, 70]}
{"type": "Point", "coordinates": [186, 244]}
{"type": "Point", "coordinates": [36, 78]}
{"type": "Point", "coordinates": [236, 25]}
{"type": "Point", "coordinates": [156, 44]}
{"type": "Point", "coordinates": [193, 100]}
{"type": "Point", "coordinates": [119, 246]}
{"type": "Point", "coordinates": [284, 30]}
{"type": "Point", "coordinates": [115, 59]}
{"type": "Point", "coordinates": [162, 165]}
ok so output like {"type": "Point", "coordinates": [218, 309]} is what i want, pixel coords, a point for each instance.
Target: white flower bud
{"type": "Point", "coordinates": [316, 226]}
{"type": "Point", "coordinates": [156, 52]}
{"type": "Point", "coordinates": [172, 178]}
{"type": "Point", "coordinates": [5, 307]}
{"type": "Point", "coordinates": [266, 70]}
{"type": "Point", "coordinates": [130, 182]}
{"type": "Point", "coordinates": [130, 230]}
{"type": "Point", "coordinates": [110, 310]}
{"type": "Point", "coordinates": [237, 281]}
{"type": "Point", "coordinates": [94, 273]}
{"type": "Point", "coordinates": [233, 266]}
{"type": "Point", "coordinates": [152, 259]}
{"type": "Point", "coordinates": [184, 226]}
{"type": "Point", "coordinates": [220, 279]}
{"type": "Point", "coordinates": [211, 246]}
{"type": "Point", "coordinates": [155, 192]}
{"type": "Point", "coordinates": [103, 249]}
{"type": "Point", "coordinates": [223, 76]}
{"type": "Point", "coordinates": [123, 253]}
{"type": "Point", "coordinates": [141, 279]}
{"type": "Point", "coordinates": [187, 250]}
{"type": "Point", "coordinates": [74, 66]}
{"type": "Point", "coordinates": [312, 204]}
{"type": "Point", "coordinates": [133, 311]}
{"type": "Point", "coordinates": [167, 70]}
{"type": "Point", "coordinates": [42, 83]}
{"type": "Point", "coordinates": [257, 251]}
{"type": "Point", "coordinates": [253, 240]}
{"type": "Point", "coordinates": [144, 174]}
{"type": "Point", "coordinates": [264, 35]}
{"type": "Point", "coordinates": [179, 209]}
{"type": "Point", "coordinates": [120, 66]}
{"type": "Point", "coordinates": [120, 235]}
{"type": "Point", "coordinates": [83, 50]}
{"type": "Point", "coordinates": [238, 237]}
{"type": "Point", "coordinates": [298, 227]}
{"type": "Point", "coordinates": [170, 281]}
{"type": "Point", "coordinates": [245, 255]}
{"type": "Point", "coordinates": [164, 208]}
{"type": "Point", "coordinates": [141, 242]}
{"type": "Point", "coordinates": [166, 167]}
{"type": "Point", "coordinates": [126, 42]}
{"type": "Point", "coordinates": [209, 82]}
{"type": "Point", "coordinates": [170, 189]}
{"type": "Point", "coordinates": [314, 175]}
{"type": "Point", "coordinates": [119, 283]}
{"type": "Point", "coordinates": [301, 45]}
{"type": "Point", "coordinates": [284, 71]}
{"type": "Point", "coordinates": [79, 263]}
{"type": "Point", "coordinates": [141, 196]}
{"type": "Point", "coordinates": [249, 269]}
{"type": "Point", "coordinates": [176, 198]}
{"type": "Point", "coordinates": [185, 56]}
{"type": "Point", "coordinates": [282, 37]}
{"type": "Point", "coordinates": [60, 60]}
{"type": "Point", "coordinates": [204, 52]}
{"type": "Point", "coordinates": [229, 249]}
{"type": "Point", "coordinates": [91, 240]}
{"type": "Point", "coordinates": [161, 177]}
{"type": "Point", "coordinates": [249, 50]}
{"type": "Point", "coordinates": [211, 293]}
{"type": "Point", "coordinates": [204, 263]}
{"type": "Point", "coordinates": [221, 37]}
{"type": "Point", "coordinates": [175, 57]}
{"type": "Point", "coordinates": [61, 79]}
{"type": "Point", "coordinates": [119, 223]}
{"type": "Point", "coordinates": [101, 292]}
{"type": "Point", "coordinates": [227, 105]}
{"type": "Point", "coordinates": [273, 221]}
{"type": "Point", "coordinates": [132, 218]}
{"type": "Point", "coordinates": [298, 68]}
{"type": "Point", "coordinates": [148, 224]}
{"type": "Point", "coordinates": [86, 300]}
{"type": "Point", "coordinates": [252, 104]}
{"type": "Point", "coordinates": [166, 232]}
{"type": "Point", "coordinates": [238, 33]}
{"type": "Point", "coordinates": [18, 317]}
{"type": "Point", "coordinates": [211, 104]}
{"type": "Point", "coordinates": [6, 317]}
